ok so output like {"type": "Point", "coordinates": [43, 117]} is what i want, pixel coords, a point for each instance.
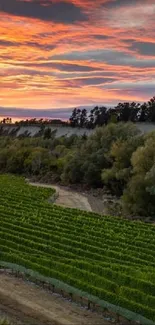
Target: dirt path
{"type": "Point", "coordinates": [68, 198]}
{"type": "Point", "coordinates": [25, 303]}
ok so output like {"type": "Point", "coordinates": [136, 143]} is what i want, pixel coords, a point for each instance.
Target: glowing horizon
{"type": "Point", "coordinates": [56, 54]}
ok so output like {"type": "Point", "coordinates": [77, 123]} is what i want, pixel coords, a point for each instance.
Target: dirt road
{"type": "Point", "coordinates": [27, 304]}
{"type": "Point", "coordinates": [68, 198]}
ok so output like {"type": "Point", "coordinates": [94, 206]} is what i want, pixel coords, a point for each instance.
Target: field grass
{"type": "Point", "coordinates": [108, 257]}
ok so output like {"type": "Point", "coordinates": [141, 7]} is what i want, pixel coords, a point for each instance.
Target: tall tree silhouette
{"type": "Point", "coordinates": [151, 109]}
{"type": "Point", "coordinates": [127, 111]}
{"type": "Point", "coordinates": [98, 116]}
{"type": "Point", "coordinates": [83, 118]}
{"type": "Point", "coordinates": [123, 112]}
{"type": "Point", "coordinates": [75, 117]}
{"type": "Point", "coordinates": [143, 114]}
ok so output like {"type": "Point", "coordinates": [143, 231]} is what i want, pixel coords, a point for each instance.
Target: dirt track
{"type": "Point", "coordinates": [26, 303]}
{"type": "Point", "coordinates": [68, 198]}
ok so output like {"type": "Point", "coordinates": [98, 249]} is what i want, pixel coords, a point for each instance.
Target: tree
{"type": "Point", "coordinates": [38, 161]}
{"type": "Point", "coordinates": [72, 172]}
{"type": "Point", "coordinates": [75, 117]}
{"type": "Point", "coordinates": [139, 196]}
{"type": "Point", "coordinates": [98, 116]}
{"type": "Point", "coordinates": [16, 159]}
{"type": "Point", "coordinates": [60, 151]}
{"type": "Point", "coordinates": [90, 123]}
{"type": "Point", "coordinates": [91, 156]}
{"type": "Point", "coordinates": [47, 133]}
{"type": "Point", "coordinates": [123, 112]}
{"type": "Point", "coordinates": [7, 120]}
{"type": "Point", "coordinates": [102, 116]}
{"type": "Point", "coordinates": [83, 118]}
{"type": "Point", "coordinates": [117, 177]}
{"type": "Point", "coordinates": [127, 111]}
{"type": "Point", "coordinates": [143, 114]}
{"type": "Point", "coordinates": [151, 109]}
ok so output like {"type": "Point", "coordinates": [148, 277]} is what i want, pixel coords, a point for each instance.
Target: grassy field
{"type": "Point", "coordinates": [111, 258]}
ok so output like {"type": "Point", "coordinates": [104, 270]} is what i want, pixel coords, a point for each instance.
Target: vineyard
{"type": "Point", "coordinates": [110, 258]}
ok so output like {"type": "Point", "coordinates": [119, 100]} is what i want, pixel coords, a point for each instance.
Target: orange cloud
{"type": "Point", "coordinates": [104, 53]}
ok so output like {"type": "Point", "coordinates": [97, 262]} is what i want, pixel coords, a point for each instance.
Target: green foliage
{"type": "Point", "coordinates": [88, 161]}
{"type": "Point", "coordinates": [139, 197]}
{"type": "Point", "coordinates": [116, 157]}
{"type": "Point", "coordinates": [47, 133]}
{"type": "Point", "coordinates": [120, 172]}
{"type": "Point", "coordinates": [36, 156]}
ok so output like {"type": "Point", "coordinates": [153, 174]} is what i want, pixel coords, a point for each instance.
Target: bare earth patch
{"type": "Point", "coordinates": [24, 303]}
{"type": "Point", "coordinates": [68, 198]}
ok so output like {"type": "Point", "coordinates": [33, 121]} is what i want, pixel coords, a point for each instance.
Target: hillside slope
{"type": "Point", "coordinates": [59, 131]}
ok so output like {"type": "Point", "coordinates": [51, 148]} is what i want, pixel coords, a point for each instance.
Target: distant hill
{"type": "Point", "coordinates": [58, 130]}
{"type": "Point", "coordinates": [36, 130]}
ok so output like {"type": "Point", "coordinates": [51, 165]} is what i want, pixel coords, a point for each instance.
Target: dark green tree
{"type": "Point", "coordinates": [127, 111]}
{"type": "Point", "coordinates": [139, 197]}
{"type": "Point", "coordinates": [143, 114]}
{"type": "Point", "coordinates": [151, 109]}
{"type": "Point", "coordinates": [83, 118]}
{"type": "Point", "coordinates": [75, 117]}
{"type": "Point", "coordinates": [47, 133]}
{"type": "Point", "coordinates": [98, 116]}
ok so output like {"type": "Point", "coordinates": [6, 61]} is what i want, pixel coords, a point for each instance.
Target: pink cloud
{"type": "Point", "coordinates": [59, 61]}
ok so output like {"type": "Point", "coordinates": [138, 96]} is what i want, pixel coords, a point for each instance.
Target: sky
{"type": "Point", "coordinates": [60, 54]}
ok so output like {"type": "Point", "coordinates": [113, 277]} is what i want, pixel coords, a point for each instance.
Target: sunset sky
{"type": "Point", "coordinates": [62, 54]}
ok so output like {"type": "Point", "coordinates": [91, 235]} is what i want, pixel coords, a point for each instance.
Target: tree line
{"type": "Point", "coordinates": [33, 121]}
{"type": "Point", "coordinates": [123, 112]}
{"type": "Point", "coordinates": [116, 157]}
{"type": "Point", "coordinates": [98, 116]}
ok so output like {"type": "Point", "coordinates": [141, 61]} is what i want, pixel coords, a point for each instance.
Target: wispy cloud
{"type": "Point", "coordinates": [75, 52]}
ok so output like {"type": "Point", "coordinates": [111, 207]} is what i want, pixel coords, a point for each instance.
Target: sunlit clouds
{"type": "Point", "coordinates": [62, 54]}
